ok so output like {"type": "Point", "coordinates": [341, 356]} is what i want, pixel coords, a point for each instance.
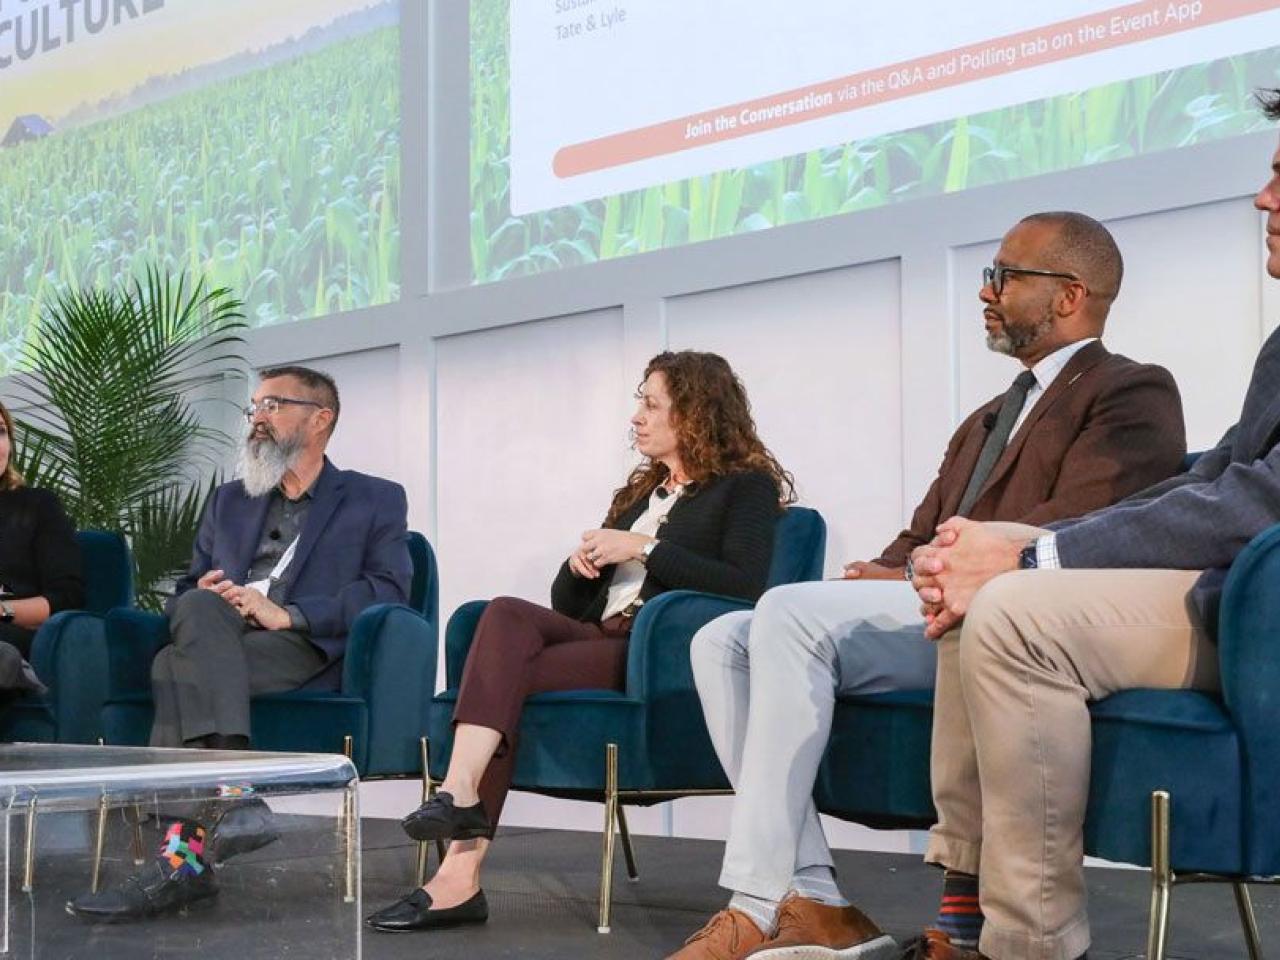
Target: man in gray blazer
{"type": "Point", "coordinates": [1124, 597]}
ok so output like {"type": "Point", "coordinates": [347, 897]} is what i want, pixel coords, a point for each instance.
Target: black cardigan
{"type": "Point", "coordinates": [39, 555]}
{"type": "Point", "coordinates": [718, 538]}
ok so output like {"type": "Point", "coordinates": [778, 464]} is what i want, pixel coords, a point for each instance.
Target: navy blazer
{"type": "Point", "coordinates": [1201, 519]}
{"type": "Point", "coordinates": [352, 552]}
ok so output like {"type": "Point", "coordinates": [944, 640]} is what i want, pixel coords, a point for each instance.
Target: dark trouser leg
{"type": "Point", "coordinates": [19, 637]}
{"type": "Point", "coordinates": [202, 681]}
{"type": "Point", "coordinates": [520, 649]}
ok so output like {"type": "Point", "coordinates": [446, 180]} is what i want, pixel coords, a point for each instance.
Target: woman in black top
{"type": "Point", "coordinates": [39, 566]}
{"type": "Point", "coordinates": [698, 513]}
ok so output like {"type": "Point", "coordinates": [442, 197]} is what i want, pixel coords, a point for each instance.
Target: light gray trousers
{"type": "Point", "coordinates": [768, 680]}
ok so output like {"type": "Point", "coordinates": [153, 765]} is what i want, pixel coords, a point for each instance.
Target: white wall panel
{"type": "Point", "coordinates": [531, 441]}
{"type": "Point", "coordinates": [820, 357]}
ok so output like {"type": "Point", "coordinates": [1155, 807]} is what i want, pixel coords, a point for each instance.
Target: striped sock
{"type": "Point", "coordinates": [763, 913]}
{"type": "Point", "coordinates": [818, 883]}
{"type": "Point", "coordinates": [960, 917]}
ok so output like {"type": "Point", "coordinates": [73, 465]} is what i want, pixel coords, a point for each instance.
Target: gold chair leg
{"type": "Point", "coordinates": [29, 861]}
{"type": "Point", "coordinates": [348, 827]}
{"type": "Point", "coordinates": [1161, 876]}
{"type": "Point", "coordinates": [136, 822]}
{"type": "Point", "coordinates": [1247, 920]}
{"type": "Point", "coordinates": [428, 791]}
{"type": "Point", "coordinates": [350, 802]}
{"type": "Point", "coordinates": [610, 825]}
{"type": "Point", "coordinates": [632, 873]}
{"type": "Point", "coordinates": [98, 843]}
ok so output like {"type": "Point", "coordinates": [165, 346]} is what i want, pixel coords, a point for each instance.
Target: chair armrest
{"type": "Point", "coordinates": [660, 674]}
{"type": "Point", "coordinates": [457, 640]}
{"type": "Point", "coordinates": [389, 644]}
{"type": "Point", "coordinates": [1248, 639]}
{"type": "Point", "coordinates": [133, 638]}
{"type": "Point", "coordinates": [69, 654]}
{"type": "Point", "coordinates": [390, 663]}
{"type": "Point", "coordinates": [658, 655]}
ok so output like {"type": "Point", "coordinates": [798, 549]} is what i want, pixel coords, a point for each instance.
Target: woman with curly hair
{"type": "Point", "coordinates": [698, 513]}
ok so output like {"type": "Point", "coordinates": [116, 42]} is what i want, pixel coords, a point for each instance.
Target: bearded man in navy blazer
{"type": "Point", "coordinates": [285, 559]}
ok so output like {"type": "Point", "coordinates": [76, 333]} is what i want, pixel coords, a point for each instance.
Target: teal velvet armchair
{"type": "Point", "coordinates": [69, 652]}
{"type": "Point", "coordinates": [380, 702]}
{"type": "Point", "coordinates": [646, 743]}
{"type": "Point", "coordinates": [1181, 781]}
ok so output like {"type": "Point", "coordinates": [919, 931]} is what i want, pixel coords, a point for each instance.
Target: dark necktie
{"type": "Point", "coordinates": [1010, 407]}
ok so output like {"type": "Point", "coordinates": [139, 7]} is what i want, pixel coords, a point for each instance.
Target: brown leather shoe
{"type": "Point", "coordinates": [729, 935]}
{"type": "Point", "coordinates": [809, 930]}
{"type": "Point", "coordinates": [936, 945]}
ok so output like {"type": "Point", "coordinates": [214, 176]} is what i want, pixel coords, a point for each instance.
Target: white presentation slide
{"type": "Point", "coordinates": [609, 96]}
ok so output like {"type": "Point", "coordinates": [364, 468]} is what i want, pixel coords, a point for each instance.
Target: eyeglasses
{"type": "Point", "coordinates": [271, 406]}
{"type": "Point", "coordinates": [995, 276]}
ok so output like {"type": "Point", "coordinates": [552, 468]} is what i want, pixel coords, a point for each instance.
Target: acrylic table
{"type": "Point", "coordinates": [78, 817]}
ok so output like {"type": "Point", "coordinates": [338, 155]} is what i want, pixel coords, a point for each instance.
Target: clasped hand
{"type": "Point", "coordinates": [950, 571]}
{"type": "Point", "coordinates": [249, 603]}
{"type": "Point", "coordinates": [602, 548]}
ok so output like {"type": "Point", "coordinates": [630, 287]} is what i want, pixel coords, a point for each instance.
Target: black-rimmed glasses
{"type": "Point", "coordinates": [995, 276]}
{"type": "Point", "coordinates": [271, 406]}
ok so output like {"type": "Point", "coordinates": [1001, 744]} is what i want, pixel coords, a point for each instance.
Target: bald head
{"type": "Point", "coordinates": [1081, 245]}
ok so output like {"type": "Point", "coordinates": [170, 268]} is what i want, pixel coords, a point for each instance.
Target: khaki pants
{"type": "Point", "coordinates": [1011, 735]}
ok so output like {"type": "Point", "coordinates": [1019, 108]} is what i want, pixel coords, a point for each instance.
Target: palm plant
{"type": "Point", "coordinates": [111, 376]}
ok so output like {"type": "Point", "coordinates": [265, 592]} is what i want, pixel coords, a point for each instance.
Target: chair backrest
{"type": "Point", "coordinates": [799, 547]}
{"type": "Point", "coordinates": [424, 591]}
{"type": "Point", "coordinates": [107, 570]}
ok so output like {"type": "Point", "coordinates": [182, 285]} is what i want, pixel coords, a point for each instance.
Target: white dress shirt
{"type": "Point", "coordinates": [628, 578]}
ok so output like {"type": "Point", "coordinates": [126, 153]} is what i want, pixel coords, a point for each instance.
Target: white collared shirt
{"type": "Point", "coordinates": [624, 589]}
{"type": "Point", "coordinates": [1046, 371]}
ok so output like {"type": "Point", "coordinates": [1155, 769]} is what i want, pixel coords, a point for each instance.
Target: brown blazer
{"type": "Point", "coordinates": [1106, 427]}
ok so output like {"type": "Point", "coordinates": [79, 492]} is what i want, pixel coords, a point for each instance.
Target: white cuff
{"type": "Point", "coordinates": [1047, 552]}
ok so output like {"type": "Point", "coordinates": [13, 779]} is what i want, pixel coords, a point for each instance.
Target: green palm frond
{"type": "Point", "coordinates": [164, 528]}
{"type": "Point", "coordinates": [111, 379]}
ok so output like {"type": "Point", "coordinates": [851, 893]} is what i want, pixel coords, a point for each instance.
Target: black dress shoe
{"type": "Point", "coordinates": [439, 819]}
{"type": "Point", "coordinates": [413, 912]}
{"type": "Point", "coordinates": [148, 893]}
{"type": "Point", "coordinates": [244, 826]}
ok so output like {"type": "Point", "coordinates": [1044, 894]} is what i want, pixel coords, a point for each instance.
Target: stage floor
{"type": "Point", "coordinates": [541, 886]}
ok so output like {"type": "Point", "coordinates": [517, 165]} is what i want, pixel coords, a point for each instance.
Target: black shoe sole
{"type": "Point", "coordinates": [417, 832]}
{"type": "Point", "coordinates": [112, 918]}
{"type": "Point", "coordinates": [434, 925]}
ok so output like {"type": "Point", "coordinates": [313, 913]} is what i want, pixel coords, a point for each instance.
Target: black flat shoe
{"type": "Point", "coordinates": [413, 912]}
{"type": "Point", "coordinates": [243, 827]}
{"type": "Point", "coordinates": [439, 819]}
{"type": "Point", "coordinates": [148, 893]}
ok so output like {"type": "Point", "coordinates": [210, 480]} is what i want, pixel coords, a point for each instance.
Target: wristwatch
{"type": "Point", "coordinates": [6, 612]}
{"type": "Point", "coordinates": [647, 550]}
{"type": "Point", "coordinates": [1028, 559]}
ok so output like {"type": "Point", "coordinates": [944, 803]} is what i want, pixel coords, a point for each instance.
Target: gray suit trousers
{"type": "Point", "coordinates": [202, 681]}
{"type": "Point", "coordinates": [768, 681]}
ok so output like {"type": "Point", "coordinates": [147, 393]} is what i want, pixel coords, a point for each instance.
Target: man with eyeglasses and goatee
{"type": "Point", "coordinates": [1079, 429]}
{"type": "Point", "coordinates": [286, 558]}
{"type": "Point", "coordinates": [1038, 623]}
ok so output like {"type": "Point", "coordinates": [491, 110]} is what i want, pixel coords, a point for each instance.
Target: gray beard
{"type": "Point", "coordinates": [1012, 342]}
{"type": "Point", "coordinates": [264, 462]}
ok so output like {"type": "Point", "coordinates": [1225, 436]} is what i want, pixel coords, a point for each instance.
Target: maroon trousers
{"type": "Point", "coordinates": [519, 649]}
